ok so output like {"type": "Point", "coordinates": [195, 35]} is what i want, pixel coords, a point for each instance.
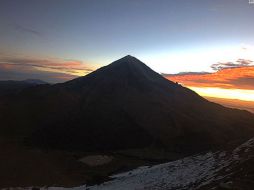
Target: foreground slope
{"type": "Point", "coordinates": [122, 105]}
{"type": "Point", "coordinates": [228, 169]}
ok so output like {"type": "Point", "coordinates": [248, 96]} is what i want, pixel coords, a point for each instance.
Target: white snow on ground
{"type": "Point", "coordinates": [189, 173]}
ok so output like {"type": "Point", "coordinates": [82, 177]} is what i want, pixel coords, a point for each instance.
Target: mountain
{"type": "Point", "coordinates": [12, 86]}
{"type": "Point", "coordinates": [120, 106]}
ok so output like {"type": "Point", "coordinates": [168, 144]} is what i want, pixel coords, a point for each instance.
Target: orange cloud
{"type": "Point", "coordinates": [69, 66]}
{"type": "Point", "coordinates": [229, 78]}
{"type": "Point", "coordinates": [58, 69]}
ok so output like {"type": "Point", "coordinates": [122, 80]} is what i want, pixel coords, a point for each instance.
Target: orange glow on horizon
{"type": "Point", "coordinates": [233, 83]}
{"type": "Point", "coordinates": [239, 94]}
{"type": "Point", "coordinates": [233, 78]}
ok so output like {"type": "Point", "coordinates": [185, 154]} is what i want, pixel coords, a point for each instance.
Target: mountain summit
{"type": "Point", "coordinates": [123, 105]}
{"type": "Point", "coordinates": [128, 58]}
{"type": "Point", "coordinates": [125, 70]}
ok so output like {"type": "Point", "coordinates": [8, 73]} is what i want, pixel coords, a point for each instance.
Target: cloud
{"type": "Point", "coordinates": [53, 70]}
{"type": "Point", "coordinates": [50, 77]}
{"type": "Point", "coordinates": [238, 63]}
{"type": "Point", "coordinates": [229, 77]}
{"type": "Point", "coordinates": [27, 30]}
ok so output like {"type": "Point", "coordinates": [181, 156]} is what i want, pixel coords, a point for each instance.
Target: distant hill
{"type": "Point", "coordinates": [12, 86]}
{"type": "Point", "coordinates": [34, 81]}
{"type": "Point", "coordinates": [120, 106]}
{"type": "Point", "coordinates": [234, 103]}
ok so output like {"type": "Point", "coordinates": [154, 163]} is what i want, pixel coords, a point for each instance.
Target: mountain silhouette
{"type": "Point", "coordinates": [123, 105]}
{"type": "Point", "coordinates": [12, 86]}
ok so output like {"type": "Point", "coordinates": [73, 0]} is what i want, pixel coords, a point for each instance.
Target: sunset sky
{"type": "Point", "coordinates": [207, 45]}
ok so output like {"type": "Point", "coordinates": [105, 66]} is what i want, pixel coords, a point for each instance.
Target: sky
{"type": "Point", "coordinates": [206, 45]}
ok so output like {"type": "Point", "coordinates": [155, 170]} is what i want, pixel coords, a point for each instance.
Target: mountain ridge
{"type": "Point", "coordinates": [124, 105]}
{"type": "Point", "coordinates": [13, 86]}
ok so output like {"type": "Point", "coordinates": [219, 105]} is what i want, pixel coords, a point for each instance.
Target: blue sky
{"type": "Point", "coordinates": [165, 34]}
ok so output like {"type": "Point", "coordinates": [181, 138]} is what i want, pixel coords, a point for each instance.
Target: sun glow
{"type": "Point", "coordinates": [239, 94]}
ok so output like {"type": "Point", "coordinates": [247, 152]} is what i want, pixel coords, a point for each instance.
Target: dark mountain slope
{"type": "Point", "coordinates": [123, 105]}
